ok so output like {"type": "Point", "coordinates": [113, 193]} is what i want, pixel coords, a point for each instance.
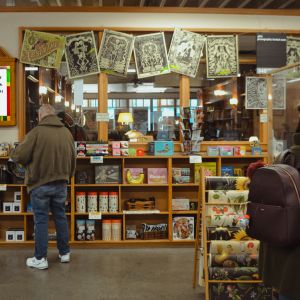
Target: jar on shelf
{"type": "Point", "coordinates": [106, 230]}
{"type": "Point", "coordinates": [103, 201]}
{"type": "Point", "coordinates": [113, 201]}
{"type": "Point", "coordinates": [92, 201]}
{"type": "Point", "coordinates": [116, 228]}
{"type": "Point", "coordinates": [80, 202]}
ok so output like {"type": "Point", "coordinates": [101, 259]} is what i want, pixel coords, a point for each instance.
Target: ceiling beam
{"type": "Point", "coordinates": [162, 3]}
{"type": "Point", "coordinates": [287, 3]}
{"type": "Point", "coordinates": [121, 3]}
{"type": "Point", "coordinates": [142, 3]}
{"type": "Point", "coordinates": [267, 2]}
{"type": "Point", "coordinates": [183, 3]}
{"type": "Point", "coordinates": [202, 3]}
{"type": "Point", "coordinates": [244, 3]}
{"type": "Point", "coordinates": [224, 3]}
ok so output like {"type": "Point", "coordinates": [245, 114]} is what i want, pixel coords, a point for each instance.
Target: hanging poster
{"type": "Point", "coordinates": [42, 49]}
{"type": "Point", "coordinates": [115, 52]}
{"type": "Point", "coordinates": [81, 55]}
{"type": "Point", "coordinates": [292, 50]}
{"type": "Point", "coordinates": [222, 56]}
{"type": "Point", "coordinates": [256, 93]}
{"type": "Point", "coordinates": [185, 52]}
{"type": "Point", "coordinates": [279, 93]}
{"type": "Point", "coordinates": [151, 55]}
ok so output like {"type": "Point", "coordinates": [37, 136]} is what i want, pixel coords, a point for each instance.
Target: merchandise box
{"type": "Point", "coordinates": [240, 150]}
{"type": "Point", "coordinates": [80, 230]}
{"type": "Point", "coordinates": [116, 151]}
{"type": "Point", "coordinates": [19, 235]}
{"type": "Point", "coordinates": [95, 149]}
{"type": "Point", "coordinates": [226, 150]}
{"type": "Point", "coordinates": [256, 150]}
{"type": "Point", "coordinates": [124, 144]}
{"type": "Point", "coordinates": [161, 148]}
{"type": "Point", "coordinates": [16, 207]}
{"type": "Point", "coordinates": [210, 169]}
{"type": "Point", "coordinates": [157, 175]}
{"type": "Point", "coordinates": [8, 207]}
{"type": "Point", "coordinates": [115, 144]}
{"type": "Point", "coordinates": [238, 172]}
{"type": "Point", "coordinates": [180, 204]}
{"type": "Point", "coordinates": [183, 228]}
{"type": "Point", "coordinates": [134, 175]}
{"type": "Point", "coordinates": [10, 236]}
{"type": "Point", "coordinates": [124, 152]}
{"type": "Point", "coordinates": [90, 230]}
{"type": "Point", "coordinates": [227, 171]}
{"type": "Point", "coordinates": [213, 151]}
{"type": "Point", "coordinates": [17, 197]}
{"type": "Point", "coordinates": [181, 175]}
{"type": "Point", "coordinates": [80, 148]}
{"type": "Point", "coordinates": [107, 174]}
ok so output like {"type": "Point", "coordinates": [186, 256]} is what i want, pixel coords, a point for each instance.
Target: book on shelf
{"type": "Point", "coordinates": [183, 228]}
{"type": "Point", "coordinates": [227, 171]}
{"type": "Point", "coordinates": [210, 169]}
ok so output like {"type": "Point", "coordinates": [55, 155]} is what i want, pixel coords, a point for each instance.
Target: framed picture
{"type": "Point", "coordinates": [81, 55]}
{"type": "Point", "coordinates": [256, 93]}
{"type": "Point", "coordinates": [222, 56]}
{"type": "Point", "coordinates": [42, 49]}
{"type": "Point", "coordinates": [7, 91]}
{"type": "Point", "coordinates": [115, 52]}
{"type": "Point", "coordinates": [292, 50]}
{"type": "Point", "coordinates": [185, 52]}
{"type": "Point", "coordinates": [279, 93]}
{"type": "Point", "coordinates": [151, 55]}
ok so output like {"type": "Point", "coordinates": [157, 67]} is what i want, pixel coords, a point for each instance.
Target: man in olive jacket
{"type": "Point", "coordinates": [48, 155]}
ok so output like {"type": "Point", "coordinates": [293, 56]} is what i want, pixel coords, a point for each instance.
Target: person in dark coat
{"type": "Point", "coordinates": [279, 267]}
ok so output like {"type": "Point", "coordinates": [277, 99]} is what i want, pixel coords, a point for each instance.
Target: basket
{"type": "Point", "coordinates": [153, 231]}
{"type": "Point", "coordinates": [140, 204]}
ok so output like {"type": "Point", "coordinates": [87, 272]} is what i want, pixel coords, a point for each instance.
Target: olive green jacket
{"type": "Point", "coordinates": [47, 153]}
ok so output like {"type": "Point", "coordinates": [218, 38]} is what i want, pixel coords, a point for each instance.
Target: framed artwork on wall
{"type": "Point", "coordinates": [7, 91]}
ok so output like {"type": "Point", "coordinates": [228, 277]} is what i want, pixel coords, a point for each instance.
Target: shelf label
{"type": "Point", "coordinates": [263, 118]}
{"type": "Point", "coordinates": [3, 187]}
{"type": "Point", "coordinates": [95, 215]}
{"type": "Point", "coordinates": [96, 159]}
{"type": "Point", "coordinates": [195, 159]}
{"type": "Point", "coordinates": [102, 117]}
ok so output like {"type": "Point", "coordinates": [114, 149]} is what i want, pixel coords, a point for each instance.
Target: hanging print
{"type": "Point", "coordinates": [279, 93]}
{"type": "Point", "coordinates": [185, 52]}
{"type": "Point", "coordinates": [42, 49]}
{"type": "Point", "coordinates": [256, 93]}
{"type": "Point", "coordinates": [81, 55]}
{"type": "Point", "coordinates": [151, 55]}
{"type": "Point", "coordinates": [222, 56]}
{"type": "Point", "coordinates": [292, 50]}
{"type": "Point", "coordinates": [115, 52]}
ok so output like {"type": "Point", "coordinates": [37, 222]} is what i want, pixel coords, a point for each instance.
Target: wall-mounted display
{"type": "Point", "coordinates": [222, 56]}
{"type": "Point", "coordinates": [115, 52]}
{"type": "Point", "coordinates": [42, 49]}
{"type": "Point", "coordinates": [185, 52]}
{"type": "Point", "coordinates": [81, 55]}
{"type": "Point", "coordinates": [256, 93]}
{"type": "Point", "coordinates": [292, 50]}
{"type": "Point", "coordinates": [151, 55]}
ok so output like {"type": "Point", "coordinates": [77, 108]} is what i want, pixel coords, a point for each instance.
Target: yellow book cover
{"type": "Point", "coordinates": [210, 169]}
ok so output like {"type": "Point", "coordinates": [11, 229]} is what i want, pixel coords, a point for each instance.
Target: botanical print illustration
{"type": "Point", "coordinates": [226, 183]}
{"type": "Point", "coordinates": [234, 247]}
{"type": "Point", "coordinates": [239, 273]}
{"type": "Point", "coordinates": [221, 233]}
{"type": "Point", "coordinates": [222, 220]}
{"type": "Point", "coordinates": [225, 196]}
{"type": "Point", "coordinates": [279, 93]}
{"type": "Point", "coordinates": [233, 261]}
{"type": "Point", "coordinates": [115, 52]}
{"type": "Point", "coordinates": [292, 50]}
{"type": "Point", "coordinates": [256, 93]}
{"type": "Point", "coordinates": [81, 55]}
{"type": "Point", "coordinates": [151, 55]}
{"type": "Point", "coordinates": [42, 49]}
{"type": "Point", "coordinates": [222, 56]}
{"type": "Point", "coordinates": [226, 209]}
{"type": "Point", "coordinates": [185, 52]}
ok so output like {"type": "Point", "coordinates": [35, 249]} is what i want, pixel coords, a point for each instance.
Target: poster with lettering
{"type": "Point", "coordinates": [42, 49]}
{"type": "Point", "coordinates": [256, 93]}
{"type": "Point", "coordinates": [292, 50]}
{"type": "Point", "coordinates": [185, 52]}
{"type": "Point", "coordinates": [81, 55]}
{"type": "Point", "coordinates": [222, 58]}
{"type": "Point", "coordinates": [151, 55]}
{"type": "Point", "coordinates": [115, 52]}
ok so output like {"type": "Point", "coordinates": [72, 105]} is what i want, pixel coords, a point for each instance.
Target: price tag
{"type": "Point", "coordinates": [102, 117]}
{"type": "Point", "coordinates": [95, 216]}
{"type": "Point", "coordinates": [195, 159]}
{"type": "Point", "coordinates": [3, 187]}
{"type": "Point", "coordinates": [263, 118]}
{"type": "Point", "coordinates": [96, 159]}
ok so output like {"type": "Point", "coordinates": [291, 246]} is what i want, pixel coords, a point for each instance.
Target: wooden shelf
{"type": "Point", "coordinates": [144, 184]}
{"type": "Point", "coordinates": [144, 212]}
{"type": "Point", "coordinates": [12, 214]}
{"type": "Point", "coordinates": [185, 184]}
{"type": "Point", "coordinates": [234, 281]}
{"type": "Point", "coordinates": [97, 184]}
{"type": "Point", "coordinates": [13, 185]}
{"type": "Point", "coordinates": [50, 214]}
{"type": "Point", "coordinates": [185, 212]}
{"type": "Point", "coordinates": [102, 213]}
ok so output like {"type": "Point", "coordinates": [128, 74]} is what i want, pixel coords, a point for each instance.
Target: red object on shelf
{"type": "Point", "coordinates": [140, 152]}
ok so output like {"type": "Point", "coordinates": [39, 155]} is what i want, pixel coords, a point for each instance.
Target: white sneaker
{"type": "Point", "coordinates": [64, 258]}
{"type": "Point", "coordinates": [40, 264]}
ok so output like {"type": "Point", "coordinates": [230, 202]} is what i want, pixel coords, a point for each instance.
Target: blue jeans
{"type": "Point", "coordinates": [282, 297]}
{"type": "Point", "coordinates": [52, 195]}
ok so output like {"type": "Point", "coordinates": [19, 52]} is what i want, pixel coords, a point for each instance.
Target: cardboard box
{"type": "Point", "coordinates": [115, 144]}
{"type": "Point", "coordinates": [157, 175]}
{"type": "Point", "coordinates": [124, 152]}
{"type": "Point", "coordinates": [17, 197]}
{"type": "Point", "coordinates": [240, 150]}
{"type": "Point", "coordinates": [16, 207]}
{"type": "Point", "coordinates": [181, 175]}
{"type": "Point", "coordinates": [10, 236]}
{"type": "Point", "coordinates": [213, 151]}
{"type": "Point", "coordinates": [180, 204]}
{"type": "Point", "coordinates": [124, 144]}
{"type": "Point", "coordinates": [107, 174]}
{"type": "Point", "coordinates": [19, 235]}
{"type": "Point", "coordinates": [226, 150]}
{"type": "Point", "coordinates": [161, 148]}
{"type": "Point", "coordinates": [8, 207]}
{"type": "Point", "coordinates": [116, 151]}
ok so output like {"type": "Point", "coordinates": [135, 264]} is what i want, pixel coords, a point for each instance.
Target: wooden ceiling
{"type": "Point", "coordinates": [98, 5]}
